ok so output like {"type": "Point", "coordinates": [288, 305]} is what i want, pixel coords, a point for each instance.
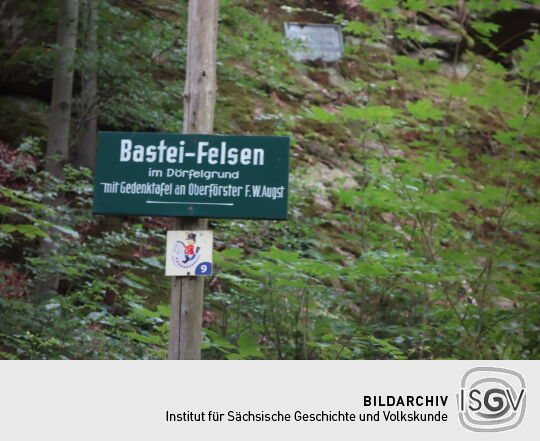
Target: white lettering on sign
{"type": "Point", "coordinates": [205, 154]}
{"type": "Point", "coordinates": [208, 190]}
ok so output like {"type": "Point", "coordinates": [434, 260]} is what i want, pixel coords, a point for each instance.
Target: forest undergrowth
{"type": "Point", "coordinates": [413, 204]}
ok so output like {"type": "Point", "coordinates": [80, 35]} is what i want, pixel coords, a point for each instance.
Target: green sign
{"type": "Point", "coordinates": [167, 174]}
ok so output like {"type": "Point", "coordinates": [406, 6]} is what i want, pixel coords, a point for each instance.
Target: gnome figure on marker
{"type": "Point", "coordinates": [189, 250]}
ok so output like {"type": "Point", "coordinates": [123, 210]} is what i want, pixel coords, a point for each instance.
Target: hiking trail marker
{"type": "Point", "coordinates": [189, 253]}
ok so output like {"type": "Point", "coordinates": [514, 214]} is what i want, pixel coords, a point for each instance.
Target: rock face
{"type": "Point", "coordinates": [322, 179]}
{"type": "Point", "coordinates": [515, 26]}
{"type": "Point", "coordinates": [329, 177]}
{"type": "Point", "coordinates": [353, 10]}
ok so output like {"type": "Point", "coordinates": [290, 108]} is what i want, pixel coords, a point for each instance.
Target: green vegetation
{"type": "Point", "coordinates": [414, 202]}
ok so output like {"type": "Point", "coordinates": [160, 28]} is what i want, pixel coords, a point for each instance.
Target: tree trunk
{"type": "Point", "coordinates": [199, 103]}
{"type": "Point", "coordinates": [86, 151]}
{"type": "Point", "coordinates": [60, 116]}
{"type": "Point", "coordinates": [59, 123]}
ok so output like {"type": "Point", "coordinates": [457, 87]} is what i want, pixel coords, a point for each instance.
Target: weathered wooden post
{"type": "Point", "coordinates": [199, 103]}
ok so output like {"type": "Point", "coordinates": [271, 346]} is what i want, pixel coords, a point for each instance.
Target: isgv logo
{"type": "Point", "coordinates": [491, 399]}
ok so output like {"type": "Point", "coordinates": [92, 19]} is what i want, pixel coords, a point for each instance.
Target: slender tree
{"type": "Point", "coordinates": [60, 119]}
{"type": "Point", "coordinates": [60, 115]}
{"type": "Point", "coordinates": [86, 151]}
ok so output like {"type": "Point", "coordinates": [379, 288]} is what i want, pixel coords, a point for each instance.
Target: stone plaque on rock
{"type": "Point", "coordinates": [315, 41]}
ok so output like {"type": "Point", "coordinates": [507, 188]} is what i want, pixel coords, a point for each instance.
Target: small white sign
{"type": "Point", "coordinates": [189, 253]}
{"type": "Point", "coordinates": [317, 41]}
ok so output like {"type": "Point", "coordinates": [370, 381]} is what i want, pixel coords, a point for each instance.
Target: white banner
{"type": "Point", "coordinates": [269, 400]}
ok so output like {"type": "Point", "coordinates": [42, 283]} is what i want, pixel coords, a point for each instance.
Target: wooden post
{"type": "Point", "coordinates": [199, 103]}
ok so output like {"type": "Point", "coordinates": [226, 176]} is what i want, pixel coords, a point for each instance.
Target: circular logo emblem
{"type": "Point", "coordinates": [185, 255]}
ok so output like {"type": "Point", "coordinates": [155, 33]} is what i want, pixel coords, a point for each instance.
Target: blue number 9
{"type": "Point", "coordinates": [203, 269]}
